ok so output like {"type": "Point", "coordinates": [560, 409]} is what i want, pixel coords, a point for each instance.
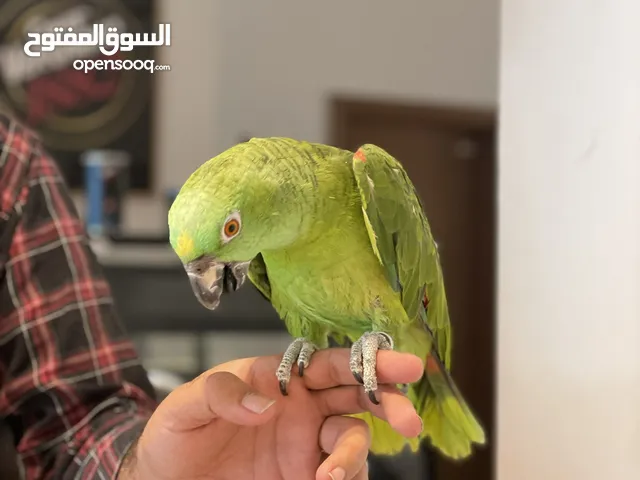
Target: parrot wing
{"type": "Point", "coordinates": [258, 276]}
{"type": "Point", "coordinates": [401, 239]}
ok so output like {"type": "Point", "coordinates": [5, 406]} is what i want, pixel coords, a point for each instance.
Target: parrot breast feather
{"type": "Point", "coordinates": [401, 239]}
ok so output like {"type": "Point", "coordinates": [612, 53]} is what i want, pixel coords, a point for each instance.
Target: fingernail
{"type": "Point", "coordinates": [337, 473]}
{"type": "Point", "coordinates": [256, 403]}
{"type": "Point", "coordinates": [421, 424]}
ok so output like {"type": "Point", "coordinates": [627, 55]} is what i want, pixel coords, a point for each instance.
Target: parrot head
{"type": "Point", "coordinates": [223, 216]}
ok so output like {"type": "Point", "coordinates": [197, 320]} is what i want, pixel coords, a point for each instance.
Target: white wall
{"type": "Point", "coordinates": [268, 67]}
{"type": "Point", "coordinates": [569, 241]}
{"type": "Point", "coordinates": [281, 59]}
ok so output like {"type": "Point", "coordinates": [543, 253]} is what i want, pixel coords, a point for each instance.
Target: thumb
{"type": "Point", "coordinates": [219, 395]}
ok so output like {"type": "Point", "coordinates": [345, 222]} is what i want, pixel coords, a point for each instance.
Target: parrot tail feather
{"type": "Point", "coordinates": [448, 422]}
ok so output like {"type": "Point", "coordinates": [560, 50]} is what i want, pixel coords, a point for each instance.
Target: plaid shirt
{"type": "Point", "coordinates": [72, 389]}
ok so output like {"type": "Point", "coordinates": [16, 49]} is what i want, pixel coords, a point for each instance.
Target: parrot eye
{"type": "Point", "coordinates": [231, 227]}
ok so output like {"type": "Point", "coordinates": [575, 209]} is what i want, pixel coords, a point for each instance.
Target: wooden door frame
{"type": "Point", "coordinates": [343, 107]}
{"type": "Point", "coordinates": [478, 120]}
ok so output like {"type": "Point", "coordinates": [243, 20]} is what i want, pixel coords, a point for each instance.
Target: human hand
{"type": "Point", "coordinates": [232, 423]}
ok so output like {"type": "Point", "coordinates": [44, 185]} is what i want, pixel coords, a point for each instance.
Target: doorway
{"type": "Point", "coordinates": [450, 155]}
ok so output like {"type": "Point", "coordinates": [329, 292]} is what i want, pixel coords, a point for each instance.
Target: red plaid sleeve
{"type": "Point", "coordinates": [72, 389]}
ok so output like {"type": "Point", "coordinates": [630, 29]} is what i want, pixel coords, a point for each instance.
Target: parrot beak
{"type": "Point", "coordinates": [210, 279]}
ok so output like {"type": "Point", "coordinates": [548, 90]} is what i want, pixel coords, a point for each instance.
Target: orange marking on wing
{"type": "Point", "coordinates": [360, 155]}
{"type": "Point", "coordinates": [431, 365]}
{"type": "Point", "coordinates": [425, 300]}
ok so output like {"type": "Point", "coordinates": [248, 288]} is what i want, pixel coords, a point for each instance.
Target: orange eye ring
{"type": "Point", "coordinates": [232, 227]}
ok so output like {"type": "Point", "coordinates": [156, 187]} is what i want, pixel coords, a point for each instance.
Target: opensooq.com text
{"type": "Point", "coordinates": [148, 65]}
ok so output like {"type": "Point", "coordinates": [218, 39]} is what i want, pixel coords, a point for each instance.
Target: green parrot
{"type": "Point", "coordinates": [339, 243]}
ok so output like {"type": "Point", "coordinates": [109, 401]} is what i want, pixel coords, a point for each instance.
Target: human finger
{"type": "Point", "coordinates": [395, 408]}
{"type": "Point", "coordinates": [211, 396]}
{"type": "Point", "coordinates": [363, 474]}
{"type": "Point", "coordinates": [347, 440]}
{"type": "Point", "coordinates": [330, 368]}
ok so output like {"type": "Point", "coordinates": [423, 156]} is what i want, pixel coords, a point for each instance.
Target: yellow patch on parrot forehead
{"type": "Point", "coordinates": [184, 245]}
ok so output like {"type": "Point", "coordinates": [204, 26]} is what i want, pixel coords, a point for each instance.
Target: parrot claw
{"type": "Point", "coordinates": [363, 360]}
{"type": "Point", "coordinates": [298, 353]}
{"type": "Point", "coordinates": [283, 388]}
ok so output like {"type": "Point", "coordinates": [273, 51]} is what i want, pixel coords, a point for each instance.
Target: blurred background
{"type": "Point", "coordinates": [417, 77]}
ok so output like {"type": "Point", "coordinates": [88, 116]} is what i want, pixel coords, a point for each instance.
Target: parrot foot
{"type": "Point", "coordinates": [363, 360]}
{"type": "Point", "coordinates": [299, 351]}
